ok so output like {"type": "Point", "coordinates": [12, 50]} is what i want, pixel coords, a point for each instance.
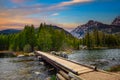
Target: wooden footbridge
{"type": "Point", "coordinates": [69, 70]}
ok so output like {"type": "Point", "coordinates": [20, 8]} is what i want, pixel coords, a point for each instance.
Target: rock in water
{"type": "Point", "coordinates": [37, 73]}
{"type": "Point", "coordinates": [20, 56]}
{"type": "Point", "coordinates": [31, 54]}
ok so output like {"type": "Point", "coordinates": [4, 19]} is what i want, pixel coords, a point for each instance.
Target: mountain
{"type": "Point", "coordinates": [91, 25]}
{"type": "Point", "coordinates": [61, 29]}
{"type": "Point", "coordinates": [116, 21]}
{"type": "Point", "coordinates": [57, 28]}
{"type": "Point", "coordinates": [9, 31]}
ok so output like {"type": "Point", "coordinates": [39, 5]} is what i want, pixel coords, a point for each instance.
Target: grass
{"type": "Point", "coordinates": [53, 77]}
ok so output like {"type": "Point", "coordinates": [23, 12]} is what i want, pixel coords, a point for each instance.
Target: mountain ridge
{"type": "Point", "coordinates": [12, 31]}
{"type": "Point", "coordinates": [81, 30]}
{"type": "Point", "coordinates": [9, 31]}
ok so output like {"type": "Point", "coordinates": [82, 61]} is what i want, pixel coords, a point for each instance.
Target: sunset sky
{"type": "Point", "coordinates": [67, 14]}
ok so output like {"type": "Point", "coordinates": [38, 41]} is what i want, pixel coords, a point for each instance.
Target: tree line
{"type": "Point", "coordinates": [44, 38]}
{"type": "Point", "coordinates": [97, 39]}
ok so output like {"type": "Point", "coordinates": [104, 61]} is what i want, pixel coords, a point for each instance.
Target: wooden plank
{"type": "Point", "coordinates": [74, 77]}
{"type": "Point", "coordinates": [99, 75]}
{"type": "Point", "coordinates": [67, 64]}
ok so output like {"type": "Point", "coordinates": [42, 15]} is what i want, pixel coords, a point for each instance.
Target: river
{"type": "Point", "coordinates": [103, 59]}
{"type": "Point", "coordinates": [28, 68]}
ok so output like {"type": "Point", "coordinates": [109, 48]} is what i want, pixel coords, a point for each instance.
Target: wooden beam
{"type": "Point", "coordinates": [64, 75]}
{"type": "Point", "coordinates": [74, 77]}
{"type": "Point", "coordinates": [60, 77]}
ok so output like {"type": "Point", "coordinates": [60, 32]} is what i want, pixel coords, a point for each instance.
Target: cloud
{"type": "Point", "coordinates": [11, 26]}
{"type": "Point", "coordinates": [35, 6]}
{"type": "Point", "coordinates": [18, 22]}
{"type": "Point", "coordinates": [17, 1]}
{"type": "Point", "coordinates": [40, 8]}
{"type": "Point", "coordinates": [71, 2]}
{"type": "Point", "coordinates": [66, 3]}
{"type": "Point", "coordinates": [55, 14]}
{"type": "Point", "coordinates": [20, 1]}
{"type": "Point", "coordinates": [21, 15]}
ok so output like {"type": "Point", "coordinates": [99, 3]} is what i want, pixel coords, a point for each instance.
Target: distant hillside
{"type": "Point", "coordinates": [81, 30]}
{"type": "Point", "coordinates": [61, 29]}
{"type": "Point", "coordinates": [58, 28]}
{"type": "Point", "coordinates": [9, 31]}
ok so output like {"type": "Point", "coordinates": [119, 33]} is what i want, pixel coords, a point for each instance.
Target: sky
{"type": "Point", "coordinates": [68, 14]}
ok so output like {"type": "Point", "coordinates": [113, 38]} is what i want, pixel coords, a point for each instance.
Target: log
{"type": "Point", "coordinates": [60, 77]}
{"type": "Point", "coordinates": [51, 69]}
{"type": "Point", "coordinates": [64, 75]}
{"type": "Point", "coordinates": [73, 76]}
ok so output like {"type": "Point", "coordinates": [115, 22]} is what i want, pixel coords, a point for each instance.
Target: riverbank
{"type": "Point", "coordinates": [115, 68]}
{"type": "Point", "coordinates": [102, 48]}
{"type": "Point", "coordinates": [5, 54]}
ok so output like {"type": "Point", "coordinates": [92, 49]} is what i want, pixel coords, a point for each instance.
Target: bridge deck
{"type": "Point", "coordinates": [70, 65]}
{"type": "Point", "coordinates": [100, 75]}
{"type": "Point", "coordinates": [85, 73]}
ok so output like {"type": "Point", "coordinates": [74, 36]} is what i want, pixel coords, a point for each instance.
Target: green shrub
{"type": "Point", "coordinates": [27, 48]}
{"type": "Point", "coordinates": [53, 77]}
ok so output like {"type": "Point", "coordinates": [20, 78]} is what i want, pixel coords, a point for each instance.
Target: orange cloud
{"type": "Point", "coordinates": [19, 16]}
{"type": "Point", "coordinates": [10, 27]}
{"type": "Point", "coordinates": [20, 1]}
{"type": "Point", "coordinates": [17, 22]}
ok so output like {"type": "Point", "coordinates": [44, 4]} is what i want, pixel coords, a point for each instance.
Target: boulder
{"type": "Point", "coordinates": [53, 52]}
{"type": "Point", "coordinates": [64, 54]}
{"type": "Point", "coordinates": [20, 55]}
{"type": "Point", "coordinates": [31, 54]}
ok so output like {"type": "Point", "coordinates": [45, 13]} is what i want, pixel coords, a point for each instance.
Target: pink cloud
{"type": "Point", "coordinates": [17, 1]}
{"type": "Point", "coordinates": [9, 18]}
{"type": "Point", "coordinates": [73, 2]}
{"type": "Point", "coordinates": [62, 5]}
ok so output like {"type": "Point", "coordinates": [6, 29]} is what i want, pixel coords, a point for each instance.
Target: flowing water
{"type": "Point", "coordinates": [28, 68]}
{"type": "Point", "coordinates": [103, 59]}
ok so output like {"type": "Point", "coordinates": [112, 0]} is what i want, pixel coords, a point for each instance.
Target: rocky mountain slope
{"type": "Point", "coordinates": [81, 30]}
